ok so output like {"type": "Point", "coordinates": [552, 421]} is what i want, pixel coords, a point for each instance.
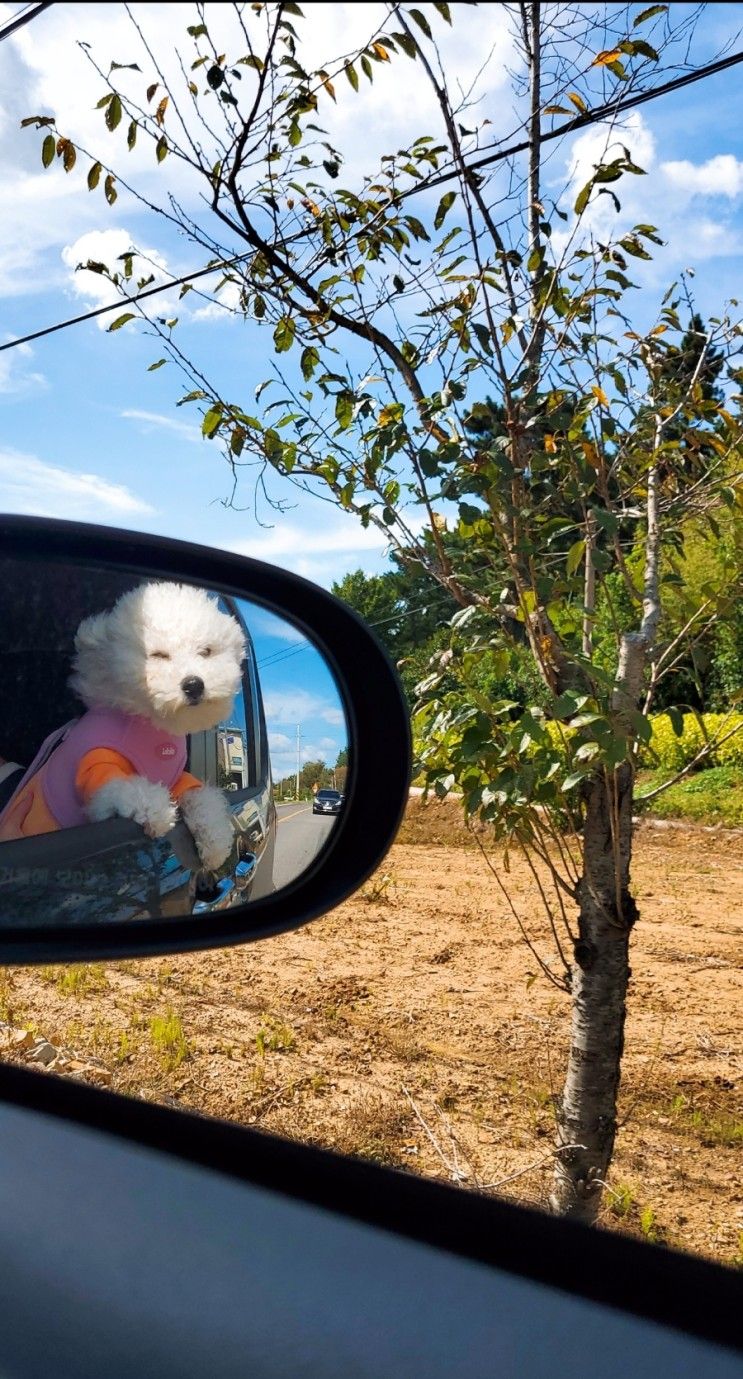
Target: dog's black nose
{"type": "Point", "coordinates": [193, 688]}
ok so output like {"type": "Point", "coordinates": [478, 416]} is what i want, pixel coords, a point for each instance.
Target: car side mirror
{"type": "Point", "coordinates": [196, 749]}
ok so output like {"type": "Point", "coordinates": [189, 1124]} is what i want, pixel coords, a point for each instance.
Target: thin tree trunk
{"type": "Point", "coordinates": [587, 1114]}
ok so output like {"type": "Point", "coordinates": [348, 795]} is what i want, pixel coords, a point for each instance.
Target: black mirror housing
{"type": "Point", "coordinates": [379, 748]}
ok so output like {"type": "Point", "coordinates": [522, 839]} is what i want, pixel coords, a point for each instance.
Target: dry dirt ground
{"type": "Point", "coordinates": [413, 1026]}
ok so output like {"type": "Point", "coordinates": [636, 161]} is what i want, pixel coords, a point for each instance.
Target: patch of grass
{"type": "Point", "coordinates": [712, 1127]}
{"type": "Point", "coordinates": [166, 1032]}
{"type": "Point", "coordinates": [714, 796]}
{"type": "Point", "coordinates": [649, 1226]}
{"type": "Point", "coordinates": [80, 979]}
{"type": "Point", "coordinates": [381, 889]}
{"type": "Point", "coordinates": [372, 1129]}
{"type": "Point", "coordinates": [274, 1036]}
{"type": "Point", "coordinates": [7, 1003]}
{"type": "Point", "coordinates": [625, 1206]}
{"type": "Point", "coordinates": [623, 1201]}
{"type": "Point", "coordinates": [402, 1045]}
{"type": "Point", "coordinates": [126, 1046]}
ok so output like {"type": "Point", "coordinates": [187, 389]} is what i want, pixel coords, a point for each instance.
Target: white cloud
{"type": "Point", "coordinates": [719, 176]}
{"type": "Point", "coordinates": [107, 246]}
{"type": "Point", "coordinates": [321, 549]}
{"type": "Point", "coordinates": [293, 706]}
{"type": "Point", "coordinates": [16, 377]}
{"type": "Point", "coordinates": [673, 195]}
{"type": "Point", "coordinates": [43, 69]}
{"type": "Point", "coordinates": [28, 485]}
{"type": "Point", "coordinates": [152, 421]}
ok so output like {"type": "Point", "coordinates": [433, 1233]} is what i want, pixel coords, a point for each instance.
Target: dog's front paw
{"type": "Point", "coordinates": [133, 797]}
{"type": "Point", "coordinates": [208, 819]}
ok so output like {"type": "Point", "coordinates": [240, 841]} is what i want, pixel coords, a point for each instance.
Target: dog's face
{"type": "Point", "coordinates": [165, 652]}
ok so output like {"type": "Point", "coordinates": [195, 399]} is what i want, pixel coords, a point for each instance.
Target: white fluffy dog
{"type": "Point", "coordinates": [164, 662]}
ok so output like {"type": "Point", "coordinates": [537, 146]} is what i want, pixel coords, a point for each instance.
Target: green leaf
{"type": "Point", "coordinates": [284, 333]}
{"type": "Point", "coordinates": [352, 75]}
{"type": "Point", "coordinates": [677, 720]}
{"type": "Point", "coordinates": [344, 408]}
{"type": "Point", "coordinates": [421, 21]}
{"type": "Point", "coordinates": [131, 135]}
{"type": "Point", "coordinates": [575, 556]}
{"type": "Point", "coordinates": [572, 780]}
{"type": "Point", "coordinates": [196, 30]}
{"type": "Point", "coordinates": [48, 149]}
{"type": "Point", "coordinates": [104, 100]}
{"type": "Point", "coordinates": [215, 76]}
{"type": "Point", "coordinates": [290, 8]}
{"type": "Point", "coordinates": [444, 206]}
{"type": "Point", "coordinates": [121, 321]}
{"type": "Point", "coordinates": [443, 10]}
{"type": "Point", "coordinates": [366, 68]}
{"type": "Point", "coordinates": [94, 176]}
{"type": "Point", "coordinates": [483, 336]}
{"type": "Point", "coordinates": [534, 260]}
{"type": "Point", "coordinates": [645, 49]}
{"type": "Point", "coordinates": [309, 362]}
{"type": "Point", "coordinates": [583, 197]}
{"type": "Point", "coordinates": [407, 43]}
{"type": "Point", "coordinates": [211, 422]}
{"type": "Point", "coordinates": [113, 112]}
{"type": "Point", "coordinates": [161, 148]}
{"type": "Point", "coordinates": [649, 13]}
{"type": "Point", "coordinates": [157, 365]}
{"type": "Point", "coordinates": [295, 134]}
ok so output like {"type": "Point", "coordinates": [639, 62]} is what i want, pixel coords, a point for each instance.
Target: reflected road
{"type": "Point", "coordinates": [299, 837]}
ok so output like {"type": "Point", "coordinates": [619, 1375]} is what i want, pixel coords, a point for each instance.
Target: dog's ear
{"type": "Point", "coordinates": [92, 632]}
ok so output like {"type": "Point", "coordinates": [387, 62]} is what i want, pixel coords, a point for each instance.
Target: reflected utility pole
{"type": "Point", "coordinates": [298, 741]}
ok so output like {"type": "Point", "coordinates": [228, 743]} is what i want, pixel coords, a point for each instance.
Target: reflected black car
{"type": "Point", "coordinates": [327, 802]}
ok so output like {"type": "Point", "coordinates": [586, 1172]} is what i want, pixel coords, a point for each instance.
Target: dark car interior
{"type": "Point", "coordinates": [41, 607]}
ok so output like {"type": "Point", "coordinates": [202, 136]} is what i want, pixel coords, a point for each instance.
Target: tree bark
{"type": "Point", "coordinates": [587, 1113]}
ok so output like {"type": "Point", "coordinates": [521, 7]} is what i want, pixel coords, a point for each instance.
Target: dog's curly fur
{"type": "Point", "coordinates": [136, 658]}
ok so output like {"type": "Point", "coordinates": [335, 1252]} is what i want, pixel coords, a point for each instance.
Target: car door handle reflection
{"type": "Point", "coordinates": [230, 889]}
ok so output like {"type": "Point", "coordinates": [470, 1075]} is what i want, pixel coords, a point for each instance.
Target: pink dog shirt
{"type": "Point", "coordinates": [154, 754]}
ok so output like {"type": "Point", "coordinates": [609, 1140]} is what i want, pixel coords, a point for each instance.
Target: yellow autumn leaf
{"type": "Point", "coordinates": [603, 59]}
{"type": "Point", "coordinates": [550, 445]}
{"type": "Point", "coordinates": [600, 395]}
{"type": "Point", "coordinates": [381, 52]}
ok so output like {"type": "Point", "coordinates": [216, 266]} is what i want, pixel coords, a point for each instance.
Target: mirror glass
{"type": "Point", "coordinates": [164, 749]}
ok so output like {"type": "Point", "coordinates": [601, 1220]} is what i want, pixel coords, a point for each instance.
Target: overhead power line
{"type": "Point", "coordinates": [580, 122]}
{"type": "Point", "coordinates": [23, 16]}
{"type": "Point", "coordinates": [596, 115]}
{"type": "Point", "coordinates": [126, 301]}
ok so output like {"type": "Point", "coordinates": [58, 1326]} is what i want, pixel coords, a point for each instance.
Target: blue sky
{"type": "Point", "coordinates": [298, 690]}
{"type": "Point", "coordinates": [88, 433]}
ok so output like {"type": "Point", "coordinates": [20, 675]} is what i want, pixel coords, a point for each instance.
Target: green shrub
{"type": "Point", "coordinates": [673, 752]}
{"type": "Point", "coordinates": [706, 797]}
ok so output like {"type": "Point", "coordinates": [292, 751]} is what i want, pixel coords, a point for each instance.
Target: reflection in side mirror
{"type": "Point", "coordinates": [144, 723]}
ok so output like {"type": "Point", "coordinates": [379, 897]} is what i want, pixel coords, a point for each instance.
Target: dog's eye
{"type": "Point", "coordinates": [207, 651]}
{"type": "Point", "coordinates": [161, 655]}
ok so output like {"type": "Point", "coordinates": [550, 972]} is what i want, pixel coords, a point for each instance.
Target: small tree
{"type": "Point", "coordinates": [392, 315]}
